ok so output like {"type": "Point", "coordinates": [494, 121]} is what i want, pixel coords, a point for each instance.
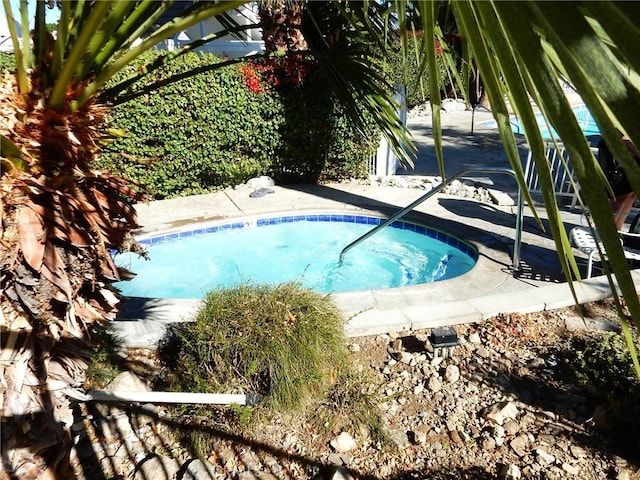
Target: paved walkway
{"type": "Point", "coordinates": [490, 288]}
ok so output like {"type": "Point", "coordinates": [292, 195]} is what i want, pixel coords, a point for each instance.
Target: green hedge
{"type": "Point", "coordinates": [212, 130]}
{"type": "Point", "coordinates": [417, 89]}
{"type": "Point", "coordinates": [7, 62]}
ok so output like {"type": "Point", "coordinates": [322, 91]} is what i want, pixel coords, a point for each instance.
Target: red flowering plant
{"type": "Point", "coordinates": [274, 72]}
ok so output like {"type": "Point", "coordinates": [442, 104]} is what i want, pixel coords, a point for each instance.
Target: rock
{"type": "Point", "coordinates": [419, 437]}
{"type": "Point", "coordinates": [543, 457]}
{"type": "Point", "coordinates": [571, 469]}
{"type": "Point", "coordinates": [158, 467]}
{"type": "Point", "coordinates": [399, 437]}
{"type": "Point", "coordinates": [405, 357]}
{"type": "Point", "coordinates": [482, 352]}
{"type": "Point", "coordinates": [488, 443]}
{"type": "Point", "coordinates": [502, 411]}
{"type": "Point", "coordinates": [456, 437]}
{"type": "Point", "coordinates": [475, 338]}
{"type": "Point", "coordinates": [435, 384]}
{"type": "Point", "coordinates": [536, 362]}
{"type": "Point", "coordinates": [622, 474]}
{"type": "Point", "coordinates": [452, 373]}
{"type": "Point", "coordinates": [342, 474]}
{"type": "Point", "coordinates": [511, 427]}
{"type": "Point", "coordinates": [198, 470]}
{"type": "Point", "coordinates": [520, 444]}
{"type": "Point", "coordinates": [453, 105]}
{"type": "Point", "coordinates": [260, 182]}
{"type": "Point", "coordinates": [127, 382]}
{"type": "Point", "coordinates": [343, 443]}
{"type": "Point", "coordinates": [578, 452]}
{"type": "Point", "coordinates": [498, 435]}
{"type": "Point", "coordinates": [509, 472]}
{"type": "Point", "coordinates": [354, 347]}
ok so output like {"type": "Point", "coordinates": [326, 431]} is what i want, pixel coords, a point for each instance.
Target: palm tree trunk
{"type": "Point", "coordinates": [281, 21]}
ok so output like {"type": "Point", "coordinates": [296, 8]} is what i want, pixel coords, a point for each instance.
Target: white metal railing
{"type": "Point", "coordinates": [562, 175]}
{"type": "Point", "coordinates": [401, 213]}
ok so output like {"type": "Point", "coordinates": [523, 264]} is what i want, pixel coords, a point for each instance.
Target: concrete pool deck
{"type": "Point", "coordinates": [492, 287]}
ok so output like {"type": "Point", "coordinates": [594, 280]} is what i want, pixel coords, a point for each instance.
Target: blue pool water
{"type": "Point", "coordinates": [302, 248]}
{"type": "Point", "coordinates": [583, 115]}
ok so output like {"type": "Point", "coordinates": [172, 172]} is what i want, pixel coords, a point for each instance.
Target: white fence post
{"type": "Point", "coordinates": [386, 162]}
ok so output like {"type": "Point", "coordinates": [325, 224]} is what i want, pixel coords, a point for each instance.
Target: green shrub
{"type": "Point", "coordinates": [602, 366]}
{"type": "Point", "coordinates": [283, 343]}
{"type": "Point", "coordinates": [351, 404]}
{"type": "Point", "coordinates": [105, 362]}
{"type": "Point", "coordinates": [602, 363]}
{"type": "Point", "coordinates": [215, 129]}
{"type": "Point", "coordinates": [7, 62]}
{"type": "Point", "coordinates": [417, 89]}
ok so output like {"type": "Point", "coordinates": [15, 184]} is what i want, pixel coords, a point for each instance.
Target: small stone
{"type": "Point", "coordinates": [511, 427]}
{"type": "Point", "coordinates": [335, 459]}
{"type": "Point", "coordinates": [578, 452]}
{"type": "Point", "coordinates": [622, 474]}
{"type": "Point", "coordinates": [520, 444]}
{"type": "Point", "coordinates": [399, 437]}
{"type": "Point", "coordinates": [483, 352]}
{"type": "Point", "coordinates": [127, 382]}
{"type": "Point", "coordinates": [158, 467]}
{"type": "Point", "coordinates": [488, 443]}
{"type": "Point", "coordinates": [452, 373]}
{"type": "Point", "coordinates": [475, 338]}
{"type": "Point", "coordinates": [434, 384]}
{"type": "Point", "coordinates": [543, 457]}
{"type": "Point", "coordinates": [501, 411]}
{"type": "Point", "coordinates": [418, 389]}
{"type": "Point", "coordinates": [509, 472]}
{"type": "Point", "coordinates": [343, 443]}
{"type": "Point", "coordinates": [198, 470]}
{"type": "Point", "coordinates": [341, 474]}
{"type": "Point", "coordinates": [498, 435]}
{"type": "Point", "coordinates": [252, 475]}
{"type": "Point", "coordinates": [262, 181]}
{"type": "Point", "coordinates": [405, 357]}
{"type": "Point", "coordinates": [419, 437]}
{"type": "Point", "coordinates": [354, 347]}
{"type": "Point", "coordinates": [571, 469]}
{"type": "Point", "coordinates": [619, 461]}
{"type": "Point", "coordinates": [536, 362]}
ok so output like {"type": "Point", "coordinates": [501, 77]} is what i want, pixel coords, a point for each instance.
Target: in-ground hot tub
{"type": "Point", "coordinates": [297, 247]}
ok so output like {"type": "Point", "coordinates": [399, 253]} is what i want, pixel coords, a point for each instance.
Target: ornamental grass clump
{"type": "Point", "coordinates": [283, 343]}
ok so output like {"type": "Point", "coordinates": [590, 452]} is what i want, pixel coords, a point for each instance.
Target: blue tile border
{"type": "Point", "coordinates": [450, 240]}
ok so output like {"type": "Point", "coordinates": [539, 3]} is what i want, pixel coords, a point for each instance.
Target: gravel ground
{"type": "Point", "coordinates": [503, 404]}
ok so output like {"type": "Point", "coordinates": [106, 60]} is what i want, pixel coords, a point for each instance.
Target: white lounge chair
{"type": "Point", "coordinates": [584, 240]}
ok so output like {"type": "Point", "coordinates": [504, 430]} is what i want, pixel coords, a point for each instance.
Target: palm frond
{"type": "Point", "coordinates": [204, 11]}
{"type": "Point", "coordinates": [523, 49]}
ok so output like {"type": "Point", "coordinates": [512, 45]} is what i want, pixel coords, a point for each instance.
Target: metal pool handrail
{"type": "Point", "coordinates": [438, 188]}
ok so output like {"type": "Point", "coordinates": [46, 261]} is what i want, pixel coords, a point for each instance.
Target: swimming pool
{"type": "Point", "coordinates": [305, 248]}
{"type": "Point", "coordinates": [583, 115]}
